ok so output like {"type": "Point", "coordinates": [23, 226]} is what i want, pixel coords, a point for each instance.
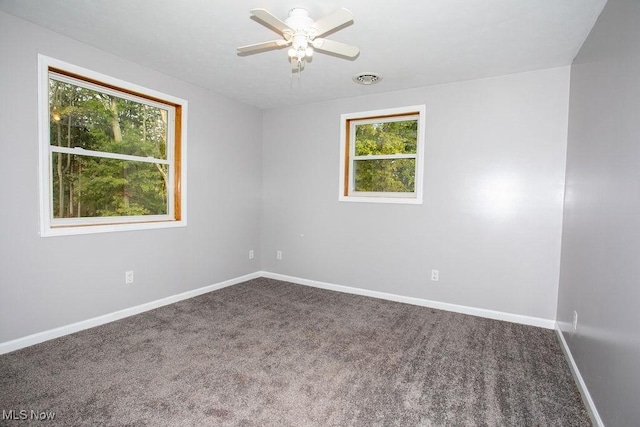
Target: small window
{"type": "Point", "coordinates": [111, 153]}
{"type": "Point", "coordinates": [382, 156]}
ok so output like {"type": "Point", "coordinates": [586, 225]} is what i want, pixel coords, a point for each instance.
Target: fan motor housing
{"type": "Point", "coordinates": [299, 19]}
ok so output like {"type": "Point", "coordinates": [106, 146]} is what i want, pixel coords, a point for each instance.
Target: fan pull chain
{"type": "Point", "coordinates": [299, 71]}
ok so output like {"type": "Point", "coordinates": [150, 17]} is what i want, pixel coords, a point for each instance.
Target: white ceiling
{"type": "Point", "coordinates": [411, 43]}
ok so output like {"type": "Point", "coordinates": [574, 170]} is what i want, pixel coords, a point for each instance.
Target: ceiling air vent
{"type": "Point", "coordinates": [367, 78]}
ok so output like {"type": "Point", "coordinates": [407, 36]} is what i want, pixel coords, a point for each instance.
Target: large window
{"type": "Point", "coordinates": [382, 156]}
{"type": "Point", "coordinates": [112, 153]}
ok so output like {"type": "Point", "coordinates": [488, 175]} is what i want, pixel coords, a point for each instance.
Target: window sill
{"type": "Point", "coordinates": [109, 228]}
{"type": "Point", "coordinates": [392, 200]}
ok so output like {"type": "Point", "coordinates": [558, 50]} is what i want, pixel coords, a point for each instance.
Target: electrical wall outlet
{"type": "Point", "coordinates": [278, 254]}
{"type": "Point", "coordinates": [575, 321]}
{"type": "Point", "coordinates": [128, 277]}
{"type": "Point", "coordinates": [435, 275]}
{"type": "Point", "coordinates": [251, 254]}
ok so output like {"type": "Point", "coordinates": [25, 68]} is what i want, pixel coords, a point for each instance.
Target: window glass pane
{"type": "Point", "coordinates": [399, 137]}
{"type": "Point", "coordinates": [392, 175]}
{"type": "Point", "coordinates": [86, 186]}
{"type": "Point", "coordinates": [85, 118]}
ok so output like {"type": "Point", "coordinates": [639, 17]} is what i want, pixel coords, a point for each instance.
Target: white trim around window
{"type": "Point", "coordinates": [348, 158]}
{"type": "Point", "coordinates": [174, 158]}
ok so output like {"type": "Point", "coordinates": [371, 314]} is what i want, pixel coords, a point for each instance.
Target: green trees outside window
{"type": "Point", "coordinates": [381, 155]}
{"type": "Point", "coordinates": [112, 153]}
{"type": "Point", "coordinates": [385, 156]}
{"type": "Point", "coordinates": [108, 152]}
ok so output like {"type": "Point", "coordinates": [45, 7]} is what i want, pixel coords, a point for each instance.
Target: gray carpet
{"type": "Point", "coordinates": [266, 352]}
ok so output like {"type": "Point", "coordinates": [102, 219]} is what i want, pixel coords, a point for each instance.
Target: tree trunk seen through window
{"type": "Point", "coordinates": [90, 186]}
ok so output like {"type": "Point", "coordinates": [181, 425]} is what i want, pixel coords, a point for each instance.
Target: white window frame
{"type": "Point", "coordinates": [347, 155]}
{"type": "Point", "coordinates": [50, 226]}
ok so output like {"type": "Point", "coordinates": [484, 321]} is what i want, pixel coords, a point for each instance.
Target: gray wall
{"type": "Point", "coordinates": [601, 236]}
{"type": "Point", "coordinates": [55, 281]}
{"type": "Point", "coordinates": [490, 222]}
{"type": "Point", "coordinates": [492, 213]}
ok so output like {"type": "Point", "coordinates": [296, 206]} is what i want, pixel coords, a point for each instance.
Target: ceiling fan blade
{"type": "Point", "coordinates": [338, 48]}
{"type": "Point", "coordinates": [259, 47]}
{"type": "Point", "coordinates": [271, 21]}
{"type": "Point", "coordinates": [330, 22]}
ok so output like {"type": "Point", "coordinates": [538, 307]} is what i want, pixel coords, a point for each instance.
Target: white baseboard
{"type": "Point", "coordinates": [582, 386]}
{"type": "Point", "coordinates": [39, 337]}
{"type": "Point", "coordinates": [480, 312]}
{"type": "Point", "coordinates": [30, 340]}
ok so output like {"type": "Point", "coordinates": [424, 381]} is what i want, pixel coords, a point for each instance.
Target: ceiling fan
{"type": "Point", "coordinates": [303, 35]}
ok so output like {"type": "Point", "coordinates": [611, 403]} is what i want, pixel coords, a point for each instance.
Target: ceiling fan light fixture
{"type": "Point", "coordinates": [367, 78]}
{"type": "Point", "coordinates": [303, 35]}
